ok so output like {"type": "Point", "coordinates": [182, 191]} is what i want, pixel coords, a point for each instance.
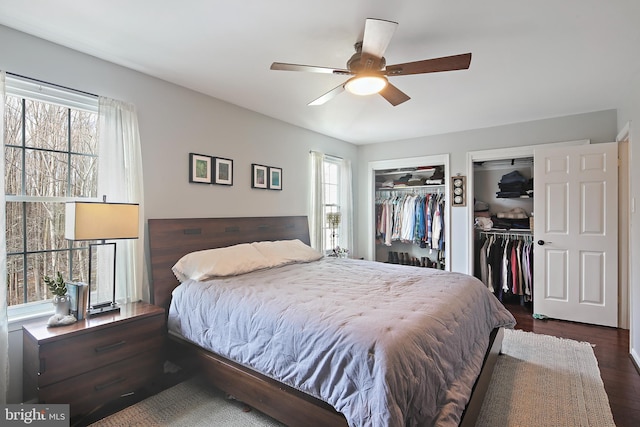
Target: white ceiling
{"type": "Point", "coordinates": [531, 59]}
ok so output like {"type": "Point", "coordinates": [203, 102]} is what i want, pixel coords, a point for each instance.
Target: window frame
{"type": "Point", "coordinates": [331, 207]}
{"type": "Point", "coordinates": [70, 99]}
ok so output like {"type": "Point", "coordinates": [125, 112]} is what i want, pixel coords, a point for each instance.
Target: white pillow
{"type": "Point", "coordinates": [220, 262]}
{"type": "Point", "coordinates": [281, 252]}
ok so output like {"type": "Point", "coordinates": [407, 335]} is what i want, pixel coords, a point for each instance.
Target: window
{"type": "Point", "coordinates": [330, 194]}
{"type": "Point", "coordinates": [331, 209]}
{"type": "Point", "coordinates": [51, 157]}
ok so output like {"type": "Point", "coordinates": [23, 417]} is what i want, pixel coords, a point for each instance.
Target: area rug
{"type": "Point", "coordinates": [538, 381]}
{"type": "Point", "coordinates": [541, 380]}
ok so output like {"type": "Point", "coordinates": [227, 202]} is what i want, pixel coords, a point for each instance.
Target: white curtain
{"type": "Point", "coordinates": [120, 180]}
{"type": "Point", "coordinates": [346, 206]}
{"type": "Point", "coordinates": [4, 327]}
{"type": "Point", "coordinates": [316, 200]}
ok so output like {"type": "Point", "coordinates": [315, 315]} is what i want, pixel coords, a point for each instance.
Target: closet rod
{"type": "Point", "coordinates": [436, 189]}
{"type": "Point", "coordinates": [525, 236]}
{"type": "Point", "coordinates": [413, 187]}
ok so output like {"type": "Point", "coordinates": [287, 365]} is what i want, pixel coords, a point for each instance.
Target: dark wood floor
{"type": "Point", "coordinates": [619, 374]}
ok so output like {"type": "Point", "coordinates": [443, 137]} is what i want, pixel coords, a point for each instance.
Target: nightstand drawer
{"type": "Point", "coordinates": [92, 389]}
{"type": "Point", "coordinates": [81, 353]}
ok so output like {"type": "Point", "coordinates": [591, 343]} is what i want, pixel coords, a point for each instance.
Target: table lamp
{"type": "Point", "coordinates": [101, 221]}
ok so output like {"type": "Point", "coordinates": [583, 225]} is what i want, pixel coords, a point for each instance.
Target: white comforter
{"type": "Point", "coordinates": [386, 345]}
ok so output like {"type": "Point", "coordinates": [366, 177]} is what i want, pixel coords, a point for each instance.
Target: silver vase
{"type": "Point", "coordinates": [61, 304]}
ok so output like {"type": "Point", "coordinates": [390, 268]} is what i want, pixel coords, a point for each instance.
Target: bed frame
{"type": "Point", "coordinates": [170, 239]}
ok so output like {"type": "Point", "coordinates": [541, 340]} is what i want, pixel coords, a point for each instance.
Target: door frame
{"type": "Point", "coordinates": [497, 154]}
{"type": "Point", "coordinates": [624, 228]}
{"type": "Point", "coordinates": [624, 136]}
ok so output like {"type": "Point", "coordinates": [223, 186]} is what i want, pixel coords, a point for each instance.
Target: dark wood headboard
{"type": "Point", "coordinates": [171, 239]}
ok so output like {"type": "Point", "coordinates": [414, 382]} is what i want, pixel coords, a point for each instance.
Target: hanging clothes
{"type": "Point", "coordinates": [411, 218]}
{"type": "Point", "coordinates": [506, 264]}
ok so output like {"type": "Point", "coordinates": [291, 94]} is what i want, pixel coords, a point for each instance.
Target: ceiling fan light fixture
{"type": "Point", "coordinates": [366, 84]}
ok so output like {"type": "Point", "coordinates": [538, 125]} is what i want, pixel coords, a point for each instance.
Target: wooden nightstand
{"type": "Point", "coordinates": [96, 360]}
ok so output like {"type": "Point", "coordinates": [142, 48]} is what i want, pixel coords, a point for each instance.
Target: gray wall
{"type": "Point", "coordinates": [173, 122]}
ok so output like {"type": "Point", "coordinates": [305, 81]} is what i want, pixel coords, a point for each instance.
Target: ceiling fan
{"type": "Point", "coordinates": [369, 70]}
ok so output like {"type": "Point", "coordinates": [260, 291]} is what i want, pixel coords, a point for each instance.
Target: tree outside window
{"type": "Point", "coordinates": [51, 157]}
{"type": "Point", "coordinates": [331, 209]}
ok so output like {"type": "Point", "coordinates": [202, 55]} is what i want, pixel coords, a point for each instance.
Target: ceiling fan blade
{"type": "Point", "coordinates": [446, 63]}
{"type": "Point", "coordinates": [394, 95]}
{"type": "Point", "coordinates": [308, 68]}
{"type": "Point", "coordinates": [377, 35]}
{"type": "Point", "coordinates": [328, 96]}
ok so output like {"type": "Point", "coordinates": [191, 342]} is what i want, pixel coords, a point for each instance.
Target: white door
{"type": "Point", "coordinates": [576, 233]}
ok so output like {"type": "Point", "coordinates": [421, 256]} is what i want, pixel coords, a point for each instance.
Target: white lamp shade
{"type": "Point", "coordinates": [366, 84]}
{"type": "Point", "coordinates": [101, 221]}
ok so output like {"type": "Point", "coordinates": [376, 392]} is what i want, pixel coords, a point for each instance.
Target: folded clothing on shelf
{"type": "Point", "coordinates": [510, 224]}
{"type": "Point", "coordinates": [416, 180]}
{"type": "Point", "coordinates": [515, 213]}
{"type": "Point", "coordinates": [513, 177]}
{"type": "Point", "coordinates": [484, 223]}
{"type": "Point", "coordinates": [513, 185]}
{"type": "Point", "coordinates": [438, 173]}
{"type": "Point", "coordinates": [480, 206]}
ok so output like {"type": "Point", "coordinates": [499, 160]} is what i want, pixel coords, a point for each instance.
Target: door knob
{"type": "Point", "coordinates": [542, 242]}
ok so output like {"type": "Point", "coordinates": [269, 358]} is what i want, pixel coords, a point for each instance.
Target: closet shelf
{"type": "Point", "coordinates": [405, 171]}
{"type": "Point", "coordinates": [411, 187]}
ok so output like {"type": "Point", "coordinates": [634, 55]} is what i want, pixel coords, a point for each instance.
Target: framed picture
{"type": "Point", "coordinates": [259, 176]}
{"type": "Point", "coordinates": [200, 168]}
{"type": "Point", "coordinates": [275, 178]}
{"type": "Point", "coordinates": [223, 171]}
{"type": "Point", "coordinates": [458, 190]}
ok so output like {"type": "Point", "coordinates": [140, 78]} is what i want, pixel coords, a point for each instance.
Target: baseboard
{"type": "Point", "coordinates": [635, 358]}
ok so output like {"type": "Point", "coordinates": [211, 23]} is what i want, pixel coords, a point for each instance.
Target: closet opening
{"type": "Point", "coordinates": [503, 228]}
{"type": "Point", "coordinates": [410, 212]}
{"type": "Point", "coordinates": [574, 229]}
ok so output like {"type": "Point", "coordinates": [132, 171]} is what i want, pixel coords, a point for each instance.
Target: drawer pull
{"type": "Point", "coordinates": [110, 347]}
{"type": "Point", "coordinates": [100, 387]}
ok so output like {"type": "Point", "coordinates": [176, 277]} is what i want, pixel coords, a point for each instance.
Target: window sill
{"type": "Point", "coordinates": [19, 315]}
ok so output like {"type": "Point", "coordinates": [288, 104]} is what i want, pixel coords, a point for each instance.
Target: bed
{"type": "Point", "coordinates": [347, 368]}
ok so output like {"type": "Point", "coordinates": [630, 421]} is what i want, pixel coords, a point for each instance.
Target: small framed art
{"type": "Point", "coordinates": [223, 171]}
{"type": "Point", "coordinates": [275, 178]}
{"type": "Point", "coordinates": [259, 176]}
{"type": "Point", "coordinates": [458, 190]}
{"type": "Point", "coordinates": [199, 168]}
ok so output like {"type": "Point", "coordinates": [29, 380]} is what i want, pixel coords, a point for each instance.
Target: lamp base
{"type": "Point", "coordinates": [104, 308]}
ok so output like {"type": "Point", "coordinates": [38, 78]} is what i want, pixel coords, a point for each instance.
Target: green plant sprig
{"type": "Point", "coordinates": [57, 286]}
